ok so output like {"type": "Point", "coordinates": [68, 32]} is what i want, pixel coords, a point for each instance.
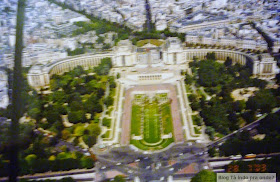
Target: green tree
{"type": "Point", "coordinates": [228, 62]}
{"type": "Point", "coordinates": [94, 129]}
{"type": "Point", "coordinates": [79, 130]}
{"type": "Point", "coordinates": [104, 67]}
{"type": "Point", "coordinates": [263, 100]}
{"type": "Point", "coordinates": [87, 162]}
{"type": "Point", "coordinates": [108, 101]}
{"type": "Point", "coordinates": [204, 176]}
{"type": "Point", "coordinates": [212, 152]}
{"type": "Point", "coordinates": [239, 105]}
{"type": "Point", "coordinates": [76, 51]}
{"type": "Point", "coordinates": [189, 79]}
{"type": "Point", "coordinates": [211, 56]}
{"type": "Point", "coordinates": [77, 116]}
{"type": "Point", "coordinates": [119, 178]}
{"type": "Point", "coordinates": [100, 40]}
{"type": "Point", "coordinates": [52, 115]}
{"type": "Point", "coordinates": [34, 113]}
{"type": "Point", "coordinates": [210, 131]}
{"type": "Point", "coordinates": [31, 159]}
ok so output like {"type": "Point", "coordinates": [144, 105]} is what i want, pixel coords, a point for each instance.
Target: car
{"type": "Point", "coordinates": [205, 167]}
{"type": "Point", "coordinates": [137, 160]}
{"type": "Point", "coordinates": [258, 114]}
{"type": "Point", "coordinates": [171, 169]}
{"type": "Point", "coordinates": [250, 156]}
{"type": "Point", "coordinates": [118, 163]}
{"type": "Point", "coordinates": [129, 171]}
{"type": "Point", "coordinates": [103, 167]}
{"type": "Point", "coordinates": [235, 157]}
{"type": "Point", "coordinates": [148, 167]}
{"type": "Point", "coordinates": [181, 154]}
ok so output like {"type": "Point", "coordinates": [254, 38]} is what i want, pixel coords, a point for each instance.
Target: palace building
{"type": "Point", "coordinates": [171, 52]}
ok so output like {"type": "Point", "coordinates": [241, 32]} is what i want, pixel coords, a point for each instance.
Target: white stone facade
{"type": "Point", "coordinates": [223, 41]}
{"type": "Point", "coordinates": [171, 53]}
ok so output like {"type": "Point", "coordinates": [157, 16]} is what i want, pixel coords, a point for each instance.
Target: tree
{"type": "Point", "coordinates": [100, 39]}
{"type": "Point", "coordinates": [104, 67]}
{"type": "Point", "coordinates": [52, 115]}
{"type": "Point", "coordinates": [228, 62]}
{"type": "Point", "coordinates": [75, 106]}
{"type": "Point", "coordinates": [30, 159]}
{"type": "Point", "coordinates": [210, 131]}
{"type": "Point", "coordinates": [210, 73]}
{"type": "Point", "coordinates": [204, 176]}
{"type": "Point", "coordinates": [263, 100]}
{"type": "Point", "coordinates": [58, 97]}
{"type": "Point", "coordinates": [94, 129]}
{"type": "Point", "coordinates": [108, 101]}
{"type": "Point", "coordinates": [62, 155]}
{"type": "Point", "coordinates": [118, 75]}
{"type": "Point", "coordinates": [79, 130]}
{"type": "Point", "coordinates": [76, 51]}
{"type": "Point", "coordinates": [239, 105]}
{"type": "Point", "coordinates": [188, 79]}
{"type": "Point", "coordinates": [77, 116]}
{"type": "Point", "coordinates": [211, 56]}
{"type": "Point", "coordinates": [119, 178]}
{"type": "Point", "coordinates": [65, 134]}
{"type": "Point", "coordinates": [87, 162]}
{"type": "Point", "coordinates": [270, 124]}
{"type": "Point", "coordinates": [34, 113]}
{"type": "Point", "coordinates": [106, 46]}
{"type": "Point", "coordinates": [212, 152]}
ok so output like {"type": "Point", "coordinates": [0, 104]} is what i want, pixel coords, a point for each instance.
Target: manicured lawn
{"type": "Point", "coordinates": [136, 120]}
{"type": "Point", "coordinates": [155, 120]}
{"type": "Point", "coordinates": [151, 123]}
{"type": "Point", "coordinates": [166, 118]}
{"type": "Point", "coordinates": [164, 143]}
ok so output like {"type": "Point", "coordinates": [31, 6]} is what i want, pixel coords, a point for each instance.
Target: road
{"type": "Point", "coordinates": [153, 166]}
{"type": "Point", "coordinates": [257, 156]}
